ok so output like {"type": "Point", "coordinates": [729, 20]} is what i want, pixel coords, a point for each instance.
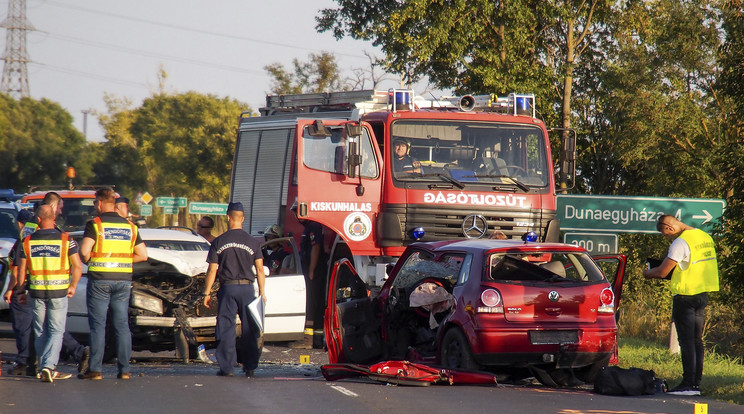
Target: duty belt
{"type": "Point", "coordinates": [237, 282]}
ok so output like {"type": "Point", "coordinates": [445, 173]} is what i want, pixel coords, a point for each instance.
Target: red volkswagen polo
{"type": "Point", "coordinates": [532, 309]}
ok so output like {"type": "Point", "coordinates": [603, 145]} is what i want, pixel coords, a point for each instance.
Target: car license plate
{"type": "Point", "coordinates": [554, 337]}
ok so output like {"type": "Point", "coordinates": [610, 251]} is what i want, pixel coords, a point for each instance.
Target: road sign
{"type": "Point", "coordinates": [146, 198]}
{"type": "Point", "coordinates": [146, 210]}
{"type": "Point", "coordinates": [207, 208]}
{"type": "Point", "coordinates": [624, 214]}
{"type": "Point", "coordinates": [170, 210]}
{"type": "Point", "coordinates": [171, 202]}
{"type": "Point", "coordinates": [594, 243]}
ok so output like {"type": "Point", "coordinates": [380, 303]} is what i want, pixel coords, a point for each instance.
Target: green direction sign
{"type": "Point", "coordinates": [171, 202]}
{"type": "Point", "coordinates": [170, 210]}
{"type": "Point", "coordinates": [627, 214]}
{"type": "Point", "coordinates": [594, 243]}
{"type": "Point", "coordinates": [145, 210]}
{"type": "Point", "coordinates": [207, 208]}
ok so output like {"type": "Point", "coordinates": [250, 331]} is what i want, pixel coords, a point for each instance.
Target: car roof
{"type": "Point", "coordinates": [6, 205]}
{"type": "Point", "coordinates": [38, 195]}
{"type": "Point", "coordinates": [484, 245]}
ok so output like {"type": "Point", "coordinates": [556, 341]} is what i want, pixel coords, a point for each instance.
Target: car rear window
{"type": "Point", "coordinates": [552, 267]}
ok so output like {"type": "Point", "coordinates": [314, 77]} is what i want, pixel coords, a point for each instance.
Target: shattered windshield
{"type": "Point", "coordinates": [547, 267]}
{"type": "Point", "coordinates": [469, 152]}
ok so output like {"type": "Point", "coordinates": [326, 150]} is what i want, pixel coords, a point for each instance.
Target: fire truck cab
{"type": "Point", "coordinates": [383, 169]}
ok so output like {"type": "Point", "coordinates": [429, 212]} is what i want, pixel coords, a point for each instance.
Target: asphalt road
{"type": "Point", "coordinates": [284, 383]}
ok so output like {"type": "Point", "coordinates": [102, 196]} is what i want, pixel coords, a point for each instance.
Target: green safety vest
{"type": "Point", "coordinates": [702, 273]}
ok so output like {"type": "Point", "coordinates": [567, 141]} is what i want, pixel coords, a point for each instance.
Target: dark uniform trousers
{"type": "Point", "coordinates": [232, 300]}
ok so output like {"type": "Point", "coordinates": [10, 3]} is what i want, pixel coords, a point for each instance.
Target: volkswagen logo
{"type": "Point", "coordinates": [474, 226]}
{"type": "Point", "coordinates": [553, 296]}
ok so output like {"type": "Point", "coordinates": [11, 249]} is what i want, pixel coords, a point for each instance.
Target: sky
{"type": "Point", "coordinates": [81, 50]}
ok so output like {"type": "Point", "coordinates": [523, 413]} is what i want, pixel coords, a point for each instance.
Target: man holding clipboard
{"type": "Point", "coordinates": [235, 259]}
{"type": "Point", "coordinates": [693, 265]}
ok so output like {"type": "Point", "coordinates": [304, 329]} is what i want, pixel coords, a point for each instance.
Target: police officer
{"type": "Point", "coordinates": [54, 269]}
{"type": "Point", "coordinates": [111, 245]}
{"type": "Point", "coordinates": [692, 257]}
{"type": "Point", "coordinates": [236, 261]}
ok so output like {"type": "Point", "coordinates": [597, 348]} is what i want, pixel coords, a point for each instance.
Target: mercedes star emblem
{"type": "Point", "coordinates": [474, 226]}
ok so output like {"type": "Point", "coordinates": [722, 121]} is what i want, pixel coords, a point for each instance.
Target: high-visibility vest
{"type": "Point", "coordinates": [48, 263]}
{"type": "Point", "coordinates": [702, 273]}
{"type": "Point", "coordinates": [28, 229]}
{"type": "Point", "coordinates": [114, 248]}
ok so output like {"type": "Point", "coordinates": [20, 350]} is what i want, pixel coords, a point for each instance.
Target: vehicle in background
{"type": "Point", "coordinates": [8, 236]}
{"type": "Point", "coordinates": [166, 306]}
{"type": "Point", "coordinates": [521, 309]}
{"type": "Point", "coordinates": [78, 207]}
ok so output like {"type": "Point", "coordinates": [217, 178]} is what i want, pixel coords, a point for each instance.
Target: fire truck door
{"type": "Point", "coordinates": [336, 188]}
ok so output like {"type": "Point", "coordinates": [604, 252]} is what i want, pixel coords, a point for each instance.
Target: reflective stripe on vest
{"type": "Point", "coordinates": [702, 273]}
{"type": "Point", "coordinates": [48, 263]}
{"type": "Point", "coordinates": [28, 229]}
{"type": "Point", "coordinates": [114, 247]}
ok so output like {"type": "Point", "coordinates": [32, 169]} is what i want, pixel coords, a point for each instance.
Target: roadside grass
{"type": "Point", "coordinates": [723, 377]}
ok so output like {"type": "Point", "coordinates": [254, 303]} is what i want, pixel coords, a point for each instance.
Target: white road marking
{"type": "Point", "coordinates": [344, 391]}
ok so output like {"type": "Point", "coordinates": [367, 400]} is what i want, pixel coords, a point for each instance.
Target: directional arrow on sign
{"type": "Point", "coordinates": [706, 216]}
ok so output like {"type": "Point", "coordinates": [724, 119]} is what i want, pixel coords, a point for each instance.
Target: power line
{"type": "Point", "coordinates": [89, 75]}
{"type": "Point", "coordinates": [152, 54]}
{"type": "Point", "coordinates": [191, 29]}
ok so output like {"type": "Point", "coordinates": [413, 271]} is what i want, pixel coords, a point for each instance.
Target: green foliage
{"type": "Point", "coordinates": [319, 74]}
{"type": "Point", "coordinates": [37, 143]}
{"type": "Point", "coordinates": [173, 145]}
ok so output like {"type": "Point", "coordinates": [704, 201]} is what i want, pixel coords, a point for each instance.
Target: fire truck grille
{"type": "Point", "coordinates": [446, 223]}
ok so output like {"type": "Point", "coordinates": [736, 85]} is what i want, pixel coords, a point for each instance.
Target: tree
{"type": "Point", "coordinates": [178, 145]}
{"type": "Point", "coordinates": [37, 143]}
{"type": "Point", "coordinates": [730, 94]}
{"type": "Point", "coordinates": [319, 74]}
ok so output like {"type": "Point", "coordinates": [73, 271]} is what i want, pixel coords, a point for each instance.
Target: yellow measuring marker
{"type": "Point", "coordinates": [701, 408]}
{"type": "Point", "coordinates": [305, 359]}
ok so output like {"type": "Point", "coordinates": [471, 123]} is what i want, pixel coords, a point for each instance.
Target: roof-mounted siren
{"type": "Point", "coordinates": [522, 104]}
{"type": "Point", "coordinates": [400, 100]}
{"type": "Point", "coordinates": [469, 103]}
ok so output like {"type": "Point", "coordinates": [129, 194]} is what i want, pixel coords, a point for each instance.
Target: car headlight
{"type": "Point", "coordinates": [147, 302]}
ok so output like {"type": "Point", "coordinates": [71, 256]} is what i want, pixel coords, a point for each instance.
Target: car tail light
{"type": "Point", "coordinates": [606, 301]}
{"type": "Point", "coordinates": [491, 300]}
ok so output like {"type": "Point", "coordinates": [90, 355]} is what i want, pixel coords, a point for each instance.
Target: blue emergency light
{"type": "Point", "coordinates": [418, 233]}
{"type": "Point", "coordinates": [529, 237]}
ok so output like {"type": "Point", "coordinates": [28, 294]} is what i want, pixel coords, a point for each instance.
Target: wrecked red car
{"type": "Point", "coordinates": [543, 310]}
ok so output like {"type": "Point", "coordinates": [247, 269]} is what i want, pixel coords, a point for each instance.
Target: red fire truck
{"type": "Point", "coordinates": [382, 169]}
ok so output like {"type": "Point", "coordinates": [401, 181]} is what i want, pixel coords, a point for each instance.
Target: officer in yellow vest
{"type": "Point", "coordinates": [54, 269]}
{"type": "Point", "coordinates": [111, 245]}
{"type": "Point", "coordinates": [692, 258]}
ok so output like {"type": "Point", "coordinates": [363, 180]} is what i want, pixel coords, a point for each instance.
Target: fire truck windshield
{"type": "Point", "coordinates": [469, 152]}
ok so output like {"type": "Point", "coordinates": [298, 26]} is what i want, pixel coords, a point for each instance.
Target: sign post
{"type": "Point", "coordinates": [594, 243]}
{"type": "Point", "coordinates": [207, 208]}
{"type": "Point", "coordinates": [626, 214]}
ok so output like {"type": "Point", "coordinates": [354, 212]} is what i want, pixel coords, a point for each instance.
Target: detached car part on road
{"type": "Point", "coordinates": [525, 309]}
{"type": "Point", "coordinates": [166, 310]}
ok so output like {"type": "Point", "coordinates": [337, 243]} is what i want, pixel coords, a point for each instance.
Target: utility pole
{"type": "Point", "coordinates": [15, 74]}
{"type": "Point", "coordinates": [85, 122]}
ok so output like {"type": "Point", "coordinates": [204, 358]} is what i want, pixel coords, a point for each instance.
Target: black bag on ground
{"type": "Point", "coordinates": [613, 380]}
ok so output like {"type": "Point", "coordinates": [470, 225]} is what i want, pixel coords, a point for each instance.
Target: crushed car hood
{"type": "Point", "coordinates": [5, 246]}
{"type": "Point", "coordinates": [187, 262]}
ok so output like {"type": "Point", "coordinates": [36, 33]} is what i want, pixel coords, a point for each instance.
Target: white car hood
{"type": "Point", "coordinates": [189, 263]}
